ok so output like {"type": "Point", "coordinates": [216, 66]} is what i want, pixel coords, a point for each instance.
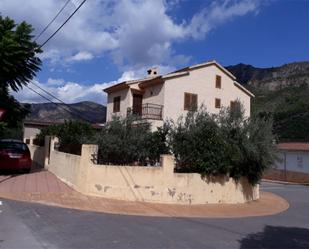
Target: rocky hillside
{"type": "Point", "coordinates": [283, 91]}
{"type": "Point", "coordinates": [86, 111]}
{"type": "Point", "coordinates": [274, 78]}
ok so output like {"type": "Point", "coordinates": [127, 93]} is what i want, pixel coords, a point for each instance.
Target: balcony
{"type": "Point", "coordinates": [146, 111]}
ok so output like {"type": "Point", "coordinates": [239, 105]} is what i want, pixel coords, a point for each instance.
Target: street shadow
{"type": "Point", "coordinates": [277, 237]}
{"type": "Point", "coordinates": [7, 175]}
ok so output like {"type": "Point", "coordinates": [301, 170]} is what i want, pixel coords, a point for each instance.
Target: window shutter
{"type": "Point", "coordinates": [218, 103]}
{"type": "Point", "coordinates": [232, 106]}
{"type": "Point", "coordinates": [193, 104]}
{"type": "Point", "coordinates": [218, 81]}
{"type": "Point", "coordinates": [116, 107]}
{"type": "Point", "coordinates": [187, 101]}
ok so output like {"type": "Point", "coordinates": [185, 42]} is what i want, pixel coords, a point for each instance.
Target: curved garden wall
{"type": "Point", "coordinates": [148, 184]}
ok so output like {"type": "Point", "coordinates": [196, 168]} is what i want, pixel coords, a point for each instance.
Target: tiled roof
{"type": "Point", "coordinates": [294, 146]}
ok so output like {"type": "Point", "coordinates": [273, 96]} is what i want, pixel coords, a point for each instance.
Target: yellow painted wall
{"type": "Point", "coordinates": [149, 184]}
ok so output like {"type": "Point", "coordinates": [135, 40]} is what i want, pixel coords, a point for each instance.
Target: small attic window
{"type": "Point", "coordinates": [218, 81]}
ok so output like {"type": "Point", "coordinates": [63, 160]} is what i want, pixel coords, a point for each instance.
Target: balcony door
{"type": "Point", "coordinates": [137, 104]}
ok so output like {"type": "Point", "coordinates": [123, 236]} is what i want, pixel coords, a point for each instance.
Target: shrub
{"type": "Point", "coordinates": [198, 144]}
{"type": "Point", "coordinates": [252, 144]}
{"type": "Point", "coordinates": [226, 144]}
{"type": "Point", "coordinates": [71, 134]}
{"type": "Point", "coordinates": [2, 129]}
{"type": "Point", "coordinates": [130, 141]}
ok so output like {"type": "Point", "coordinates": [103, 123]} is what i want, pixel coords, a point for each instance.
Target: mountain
{"type": "Point", "coordinates": [85, 111]}
{"type": "Point", "coordinates": [274, 78]}
{"type": "Point", "coordinates": [282, 91]}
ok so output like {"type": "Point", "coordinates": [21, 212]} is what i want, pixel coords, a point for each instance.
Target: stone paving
{"type": "Point", "coordinates": [43, 187]}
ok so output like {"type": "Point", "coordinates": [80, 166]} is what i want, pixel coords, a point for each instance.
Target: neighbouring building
{"type": "Point", "coordinates": [159, 97]}
{"type": "Point", "coordinates": [293, 163]}
{"type": "Point", "coordinates": [31, 128]}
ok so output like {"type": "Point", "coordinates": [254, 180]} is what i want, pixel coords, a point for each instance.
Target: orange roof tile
{"type": "Point", "coordinates": [294, 146]}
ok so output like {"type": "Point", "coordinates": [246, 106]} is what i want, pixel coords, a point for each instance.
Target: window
{"type": "Point", "coordinates": [116, 104]}
{"type": "Point", "coordinates": [190, 101]}
{"type": "Point", "coordinates": [218, 81]}
{"type": "Point", "coordinates": [234, 106]}
{"type": "Point", "coordinates": [218, 103]}
{"type": "Point", "coordinates": [299, 161]}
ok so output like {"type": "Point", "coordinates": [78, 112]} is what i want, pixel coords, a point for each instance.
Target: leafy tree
{"type": "Point", "coordinates": [18, 65]}
{"type": "Point", "coordinates": [71, 134]}
{"type": "Point", "coordinates": [198, 145]}
{"type": "Point", "coordinates": [224, 144]}
{"type": "Point", "coordinates": [15, 112]}
{"type": "Point", "coordinates": [18, 54]}
{"type": "Point", "coordinates": [2, 129]}
{"type": "Point", "coordinates": [130, 141]}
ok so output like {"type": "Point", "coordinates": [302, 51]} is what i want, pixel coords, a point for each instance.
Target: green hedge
{"type": "Point", "coordinates": [129, 141]}
{"type": "Point", "coordinates": [71, 134]}
{"type": "Point", "coordinates": [223, 144]}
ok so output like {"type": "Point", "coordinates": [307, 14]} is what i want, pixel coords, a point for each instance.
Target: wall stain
{"type": "Point", "coordinates": [106, 188]}
{"type": "Point", "coordinates": [184, 197]}
{"type": "Point", "coordinates": [98, 187]}
{"type": "Point", "coordinates": [171, 192]}
{"type": "Point", "coordinates": [154, 193]}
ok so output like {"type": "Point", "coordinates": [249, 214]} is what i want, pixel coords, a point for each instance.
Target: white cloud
{"type": "Point", "coordinates": [81, 56]}
{"type": "Point", "coordinates": [218, 13]}
{"type": "Point", "coordinates": [72, 92]}
{"type": "Point", "coordinates": [54, 82]}
{"type": "Point", "coordinates": [69, 92]}
{"type": "Point", "coordinates": [134, 32]}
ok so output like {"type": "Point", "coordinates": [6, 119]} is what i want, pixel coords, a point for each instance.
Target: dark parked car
{"type": "Point", "coordinates": [14, 155]}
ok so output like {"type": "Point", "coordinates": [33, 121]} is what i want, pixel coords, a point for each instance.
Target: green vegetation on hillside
{"type": "Point", "coordinates": [290, 109]}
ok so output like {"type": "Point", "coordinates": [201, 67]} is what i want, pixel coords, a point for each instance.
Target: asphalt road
{"type": "Point", "coordinates": [24, 225]}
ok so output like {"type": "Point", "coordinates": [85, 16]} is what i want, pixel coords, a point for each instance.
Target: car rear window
{"type": "Point", "coordinates": [14, 146]}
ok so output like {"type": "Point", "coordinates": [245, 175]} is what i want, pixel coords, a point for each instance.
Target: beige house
{"type": "Point", "coordinates": [159, 97]}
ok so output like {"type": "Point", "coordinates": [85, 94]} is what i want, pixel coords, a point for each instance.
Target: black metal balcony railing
{"type": "Point", "coordinates": [147, 111]}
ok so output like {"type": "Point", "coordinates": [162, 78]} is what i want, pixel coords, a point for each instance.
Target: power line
{"type": "Point", "coordinates": [47, 26]}
{"type": "Point", "coordinates": [64, 23]}
{"type": "Point", "coordinates": [44, 97]}
{"type": "Point", "coordinates": [55, 97]}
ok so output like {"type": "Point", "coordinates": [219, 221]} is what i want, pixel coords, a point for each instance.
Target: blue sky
{"type": "Point", "coordinates": [110, 41]}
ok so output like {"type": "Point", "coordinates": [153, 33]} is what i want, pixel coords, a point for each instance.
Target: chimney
{"type": "Point", "coordinates": [153, 71]}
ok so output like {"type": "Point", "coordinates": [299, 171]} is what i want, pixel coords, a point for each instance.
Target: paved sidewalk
{"type": "Point", "coordinates": [44, 187]}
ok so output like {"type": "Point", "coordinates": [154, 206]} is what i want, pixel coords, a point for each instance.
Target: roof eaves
{"type": "Point", "coordinates": [116, 86]}
{"type": "Point", "coordinates": [206, 64]}
{"type": "Point", "coordinates": [174, 75]}
{"type": "Point", "coordinates": [243, 89]}
{"type": "Point", "coordinates": [293, 146]}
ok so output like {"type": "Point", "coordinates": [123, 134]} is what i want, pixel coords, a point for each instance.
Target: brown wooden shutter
{"type": "Point", "coordinates": [218, 81]}
{"type": "Point", "coordinates": [116, 107]}
{"type": "Point", "coordinates": [190, 101]}
{"type": "Point", "coordinates": [232, 106]}
{"type": "Point", "coordinates": [218, 103]}
{"type": "Point", "coordinates": [235, 106]}
{"type": "Point", "coordinates": [193, 104]}
{"type": "Point", "coordinates": [187, 100]}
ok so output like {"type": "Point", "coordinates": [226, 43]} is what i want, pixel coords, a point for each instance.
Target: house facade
{"type": "Point", "coordinates": [293, 163]}
{"type": "Point", "coordinates": [159, 97]}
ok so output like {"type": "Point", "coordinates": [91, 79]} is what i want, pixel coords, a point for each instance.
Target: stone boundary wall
{"type": "Point", "coordinates": [286, 176]}
{"type": "Point", "coordinates": [142, 183]}
{"type": "Point", "coordinates": [37, 153]}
